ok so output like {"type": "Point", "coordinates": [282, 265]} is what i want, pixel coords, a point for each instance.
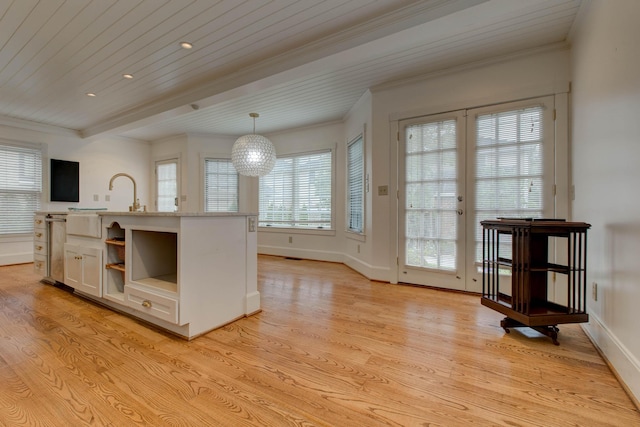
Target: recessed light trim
{"type": "Point", "coordinates": [127, 76]}
{"type": "Point", "coordinates": [186, 45]}
{"type": "Point", "coordinates": [91, 94]}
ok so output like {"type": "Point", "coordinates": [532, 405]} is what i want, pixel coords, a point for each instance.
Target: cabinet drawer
{"type": "Point", "coordinates": [40, 265]}
{"type": "Point", "coordinates": [39, 235]}
{"type": "Point", "coordinates": [160, 306]}
{"type": "Point", "coordinates": [38, 222]}
{"type": "Point", "coordinates": [39, 248]}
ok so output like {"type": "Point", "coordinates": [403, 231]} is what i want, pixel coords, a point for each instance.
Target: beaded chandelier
{"type": "Point", "coordinates": [253, 155]}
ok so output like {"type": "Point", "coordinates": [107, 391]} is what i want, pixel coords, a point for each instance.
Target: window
{"type": "Point", "coordinates": [355, 185]}
{"type": "Point", "coordinates": [297, 192]}
{"type": "Point", "coordinates": [20, 187]}
{"type": "Point", "coordinates": [167, 185]}
{"type": "Point", "coordinates": [220, 186]}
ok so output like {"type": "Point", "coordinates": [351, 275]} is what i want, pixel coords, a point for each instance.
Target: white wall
{"type": "Point", "coordinates": [99, 161]}
{"type": "Point", "coordinates": [520, 77]}
{"type": "Point", "coordinates": [191, 150]}
{"type": "Point", "coordinates": [358, 249]}
{"type": "Point", "coordinates": [606, 149]}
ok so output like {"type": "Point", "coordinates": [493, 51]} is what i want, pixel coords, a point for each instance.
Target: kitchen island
{"type": "Point", "coordinates": [188, 273]}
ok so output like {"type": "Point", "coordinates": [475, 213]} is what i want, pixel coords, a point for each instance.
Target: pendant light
{"type": "Point", "coordinates": [253, 155]}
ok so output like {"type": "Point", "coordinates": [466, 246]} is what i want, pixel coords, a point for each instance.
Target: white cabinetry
{"type": "Point", "coordinates": [40, 246]}
{"type": "Point", "coordinates": [83, 269]}
{"type": "Point", "coordinates": [187, 273]}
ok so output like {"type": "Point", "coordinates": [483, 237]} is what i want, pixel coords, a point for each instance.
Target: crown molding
{"type": "Point", "coordinates": [37, 127]}
{"type": "Point", "coordinates": [553, 47]}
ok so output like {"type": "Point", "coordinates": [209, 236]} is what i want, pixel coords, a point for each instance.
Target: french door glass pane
{"type": "Point", "coordinates": [509, 169]}
{"type": "Point", "coordinates": [431, 189]}
{"type": "Point", "coordinates": [167, 176]}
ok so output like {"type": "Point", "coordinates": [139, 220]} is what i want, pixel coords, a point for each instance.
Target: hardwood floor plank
{"type": "Point", "coordinates": [330, 348]}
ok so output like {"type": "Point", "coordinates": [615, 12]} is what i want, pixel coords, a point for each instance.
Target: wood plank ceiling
{"type": "Point", "coordinates": [297, 63]}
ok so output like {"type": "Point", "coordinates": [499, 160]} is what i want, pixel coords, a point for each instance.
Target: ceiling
{"type": "Point", "coordinates": [297, 63]}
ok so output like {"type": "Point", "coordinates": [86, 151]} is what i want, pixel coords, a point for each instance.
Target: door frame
{"type": "Point", "coordinates": [563, 189]}
{"type": "Point", "coordinates": [417, 275]}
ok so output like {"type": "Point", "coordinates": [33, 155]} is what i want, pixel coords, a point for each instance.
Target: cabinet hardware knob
{"type": "Point", "coordinates": [38, 234]}
{"type": "Point", "coordinates": [38, 221]}
{"type": "Point", "coordinates": [39, 247]}
{"type": "Point", "coordinates": [146, 304]}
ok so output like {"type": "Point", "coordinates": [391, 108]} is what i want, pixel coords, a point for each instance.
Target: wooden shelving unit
{"type": "Point", "coordinates": [115, 261]}
{"type": "Point", "coordinates": [522, 295]}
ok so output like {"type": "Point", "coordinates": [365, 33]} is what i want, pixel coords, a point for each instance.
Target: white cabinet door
{"type": "Point", "coordinates": [83, 269]}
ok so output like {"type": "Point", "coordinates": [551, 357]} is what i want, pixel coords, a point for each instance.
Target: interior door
{"type": "Point", "coordinates": [432, 201]}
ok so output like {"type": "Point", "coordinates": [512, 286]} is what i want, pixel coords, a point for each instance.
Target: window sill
{"type": "Point", "coordinates": [309, 231]}
{"type": "Point", "coordinates": [16, 238]}
{"type": "Point", "coordinates": [360, 237]}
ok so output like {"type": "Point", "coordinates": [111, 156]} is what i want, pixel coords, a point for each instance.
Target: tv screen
{"type": "Point", "coordinates": [65, 181]}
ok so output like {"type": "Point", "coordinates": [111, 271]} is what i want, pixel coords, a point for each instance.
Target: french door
{"type": "Point", "coordinates": [431, 200]}
{"type": "Point", "coordinates": [460, 168]}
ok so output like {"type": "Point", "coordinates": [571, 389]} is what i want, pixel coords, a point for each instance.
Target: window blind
{"type": "Point", "coordinates": [167, 183]}
{"type": "Point", "coordinates": [220, 186]}
{"type": "Point", "coordinates": [355, 185]}
{"type": "Point", "coordinates": [20, 187]}
{"type": "Point", "coordinates": [509, 168]}
{"type": "Point", "coordinates": [297, 192]}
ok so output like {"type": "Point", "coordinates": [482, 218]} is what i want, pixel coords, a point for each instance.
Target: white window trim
{"type": "Point", "coordinates": [45, 185]}
{"type": "Point", "coordinates": [312, 231]}
{"type": "Point", "coordinates": [356, 235]}
{"type": "Point", "coordinates": [203, 162]}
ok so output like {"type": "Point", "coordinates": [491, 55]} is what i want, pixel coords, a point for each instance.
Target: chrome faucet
{"type": "Point", "coordinates": [136, 203]}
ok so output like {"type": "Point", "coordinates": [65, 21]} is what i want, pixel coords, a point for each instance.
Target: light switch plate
{"type": "Point", "coordinates": [383, 190]}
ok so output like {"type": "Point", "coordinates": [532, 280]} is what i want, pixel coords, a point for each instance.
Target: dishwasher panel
{"type": "Point", "coordinates": [56, 226]}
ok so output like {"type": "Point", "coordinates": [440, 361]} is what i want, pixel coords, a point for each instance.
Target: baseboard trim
{"type": "Point", "coordinates": [622, 363]}
{"type": "Point", "coordinates": [367, 270]}
{"type": "Point", "coordinates": [21, 258]}
{"type": "Point", "coordinates": [301, 253]}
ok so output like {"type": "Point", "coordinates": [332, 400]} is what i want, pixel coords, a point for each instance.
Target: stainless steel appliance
{"type": "Point", "coordinates": [57, 236]}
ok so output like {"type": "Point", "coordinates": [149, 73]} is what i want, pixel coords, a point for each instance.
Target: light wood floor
{"type": "Point", "coordinates": [330, 348]}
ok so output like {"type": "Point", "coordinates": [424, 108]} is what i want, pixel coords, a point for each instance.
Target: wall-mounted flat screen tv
{"type": "Point", "coordinates": [65, 181]}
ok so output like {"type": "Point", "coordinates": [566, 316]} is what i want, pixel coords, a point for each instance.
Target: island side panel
{"type": "Point", "coordinates": [252, 298]}
{"type": "Point", "coordinates": [212, 271]}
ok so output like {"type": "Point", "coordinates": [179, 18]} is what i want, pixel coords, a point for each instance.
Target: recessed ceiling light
{"type": "Point", "coordinates": [127, 76]}
{"type": "Point", "coordinates": [91, 94]}
{"type": "Point", "coordinates": [186, 45]}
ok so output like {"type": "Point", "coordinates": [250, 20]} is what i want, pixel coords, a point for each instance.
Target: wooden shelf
{"type": "Point", "coordinates": [115, 242]}
{"type": "Point", "coordinates": [167, 282]}
{"type": "Point", "coordinates": [116, 266]}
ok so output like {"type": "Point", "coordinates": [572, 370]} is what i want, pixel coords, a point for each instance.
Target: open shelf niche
{"type": "Point", "coordinates": [115, 262]}
{"type": "Point", "coordinates": [154, 259]}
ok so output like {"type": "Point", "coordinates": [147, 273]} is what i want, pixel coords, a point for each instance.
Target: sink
{"type": "Point", "coordinates": [84, 224]}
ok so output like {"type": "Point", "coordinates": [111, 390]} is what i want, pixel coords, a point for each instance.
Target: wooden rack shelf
{"type": "Point", "coordinates": [522, 296]}
{"type": "Point", "coordinates": [116, 266]}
